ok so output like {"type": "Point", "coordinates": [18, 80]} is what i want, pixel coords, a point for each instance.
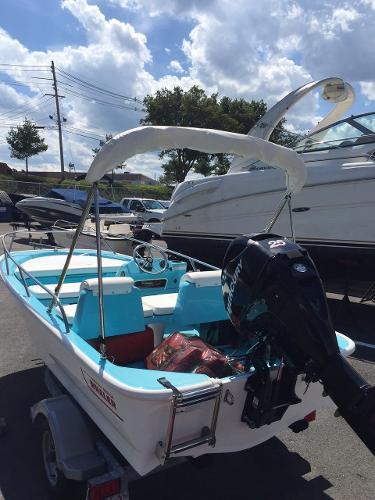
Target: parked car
{"type": "Point", "coordinates": [149, 210]}
{"type": "Point", "coordinates": [165, 203]}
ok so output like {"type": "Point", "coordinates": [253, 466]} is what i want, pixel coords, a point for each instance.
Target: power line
{"type": "Point", "coordinates": [24, 65]}
{"type": "Point", "coordinates": [99, 136]}
{"type": "Point", "coordinates": [95, 100]}
{"type": "Point", "coordinates": [80, 81]}
{"type": "Point", "coordinates": [28, 109]}
{"type": "Point", "coordinates": [17, 110]}
{"type": "Point", "coordinates": [23, 83]}
{"type": "Point", "coordinates": [82, 135]}
{"type": "Point", "coordinates": [96, 94]}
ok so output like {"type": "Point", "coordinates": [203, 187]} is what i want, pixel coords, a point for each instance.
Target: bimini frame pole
{"type": "Point", "coordinates": [279, 209]}
{"type": "Point", "coordinates": [100, 272]}
{"type": "Point", "coordinates": [81, 223]}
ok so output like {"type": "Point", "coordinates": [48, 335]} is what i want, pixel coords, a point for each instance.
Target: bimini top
{"type": "Point", "coordinates": [143, 139]}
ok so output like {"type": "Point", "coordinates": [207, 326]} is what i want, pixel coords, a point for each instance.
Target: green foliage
{"type": "Point", "coordinates": [39, 185]}
{"type": "Point", "coordinates": [281, 136]}
{"type": "Point", "coordinates": [194, 108]}
{"type": "Point", "coordinates": [24, 141]}
{"type": "Point", "coordinates": [187, 109]}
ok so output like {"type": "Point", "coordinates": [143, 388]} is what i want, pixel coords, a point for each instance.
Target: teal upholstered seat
{"type": "Point", "coordinates": [123, 312]}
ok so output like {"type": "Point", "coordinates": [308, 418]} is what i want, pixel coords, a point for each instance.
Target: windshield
{"type": "Point", "coordinates": [353, 131]}
{"type": "Point", "coordinates": [153, 205]}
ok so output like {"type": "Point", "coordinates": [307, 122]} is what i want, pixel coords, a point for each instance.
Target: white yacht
{"type": "Point", "coordinates": [333, 214]}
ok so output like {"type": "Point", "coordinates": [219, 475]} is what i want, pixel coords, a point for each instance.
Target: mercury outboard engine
{"type": "Point", "coordinates": [275, 299]}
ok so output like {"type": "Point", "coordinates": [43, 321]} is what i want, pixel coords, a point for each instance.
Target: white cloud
{"type": "Point", "coordinates": [176, 67]}
{"type": "Point", "coordinates": [115, 56]}
{"type": "Point", "coordinates": [368, 89]}
{"type": "Point", "coordinates": [247, 49]}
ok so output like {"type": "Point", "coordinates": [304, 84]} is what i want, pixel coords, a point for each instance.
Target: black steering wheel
{"type": "Point", "coordinates": [144, 256]}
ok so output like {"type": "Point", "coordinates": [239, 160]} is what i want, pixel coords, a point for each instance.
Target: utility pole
{"type": "Point", "coordinates": [56, 95]}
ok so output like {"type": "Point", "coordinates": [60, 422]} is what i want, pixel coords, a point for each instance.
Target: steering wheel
{"type": "Point", "coordinates": [144, 256]}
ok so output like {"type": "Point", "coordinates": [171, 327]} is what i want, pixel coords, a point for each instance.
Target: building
{"type": "Point", "coordinates": [5, 169]}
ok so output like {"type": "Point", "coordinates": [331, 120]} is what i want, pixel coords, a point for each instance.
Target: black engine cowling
{"type": "Point", "coordinates": [274, 295]}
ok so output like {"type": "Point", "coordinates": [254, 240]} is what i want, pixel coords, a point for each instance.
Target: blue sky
{"type": "Point", "coordinates": [246, 48]}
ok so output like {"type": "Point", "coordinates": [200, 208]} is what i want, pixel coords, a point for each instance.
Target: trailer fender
{"type": "Point", "coordinates": [76, 455]}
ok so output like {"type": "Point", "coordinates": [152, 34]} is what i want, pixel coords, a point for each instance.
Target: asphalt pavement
{"type": "Point", "coordinates": [325, 461]}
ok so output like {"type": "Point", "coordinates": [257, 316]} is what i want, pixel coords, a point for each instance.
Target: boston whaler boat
{"type": "Point", "coordinates": [255, 353]}
{"type": "Point", "coordinates": [333, 214]}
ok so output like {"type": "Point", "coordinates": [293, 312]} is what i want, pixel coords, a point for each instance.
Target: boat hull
{"type": "Point", "coordinates": [64, 239]}
{"type": "Point", "coordinates": [47, 211]}
{"type": "Point", "coordinates": [135, 421]}
{"type": "Point", "coordinates": [332, 220]}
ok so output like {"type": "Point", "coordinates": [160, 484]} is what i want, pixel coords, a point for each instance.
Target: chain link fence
{"type": "Point", "coordinates": [108, 191]}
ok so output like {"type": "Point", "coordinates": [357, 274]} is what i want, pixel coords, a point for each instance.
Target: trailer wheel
{"type": "Point", "coordinates": [60, 487]}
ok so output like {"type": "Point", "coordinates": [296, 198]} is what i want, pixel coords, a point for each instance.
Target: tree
{"type": "Point", "coordinates": [24, 141]}
{"type": "Point", "coordinates": [194, 108]}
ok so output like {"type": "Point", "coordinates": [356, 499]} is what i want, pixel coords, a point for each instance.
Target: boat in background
{"type": "Point", "coordinates": [118, 238]}
{"type": "Point", "coordinates": [333, 214]}
{"type": "Point", "coordinates": [66, 204]}
{"type": "Point", "coordinates": [96, 318]}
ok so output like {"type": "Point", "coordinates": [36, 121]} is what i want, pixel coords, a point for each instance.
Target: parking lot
{"type": "Point", "coordinates": [325, 461]}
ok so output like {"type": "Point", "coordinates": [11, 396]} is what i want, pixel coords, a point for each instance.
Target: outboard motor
{"type": "Point", "coordinates": [275, 300]}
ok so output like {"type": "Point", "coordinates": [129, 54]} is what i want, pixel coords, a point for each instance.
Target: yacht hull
{"type": "Point", "coordinates": [333, 220]}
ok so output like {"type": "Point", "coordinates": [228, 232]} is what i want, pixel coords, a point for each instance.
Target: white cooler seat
{"type": "Point", "coordinates": [161, 304]}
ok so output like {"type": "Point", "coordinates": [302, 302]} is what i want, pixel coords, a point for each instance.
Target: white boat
{"type": "Point", "coordinates": [94, 316]}
{"type": "Point", "coordinates": [65, 204]}
{"type": "Point", "coordinates": [332, 214]}
{"type": "Point", "coordinates": [116, 237]}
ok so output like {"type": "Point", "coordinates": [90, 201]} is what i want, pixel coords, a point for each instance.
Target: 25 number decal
{"type": "Point", "coordinates": [276, 243]}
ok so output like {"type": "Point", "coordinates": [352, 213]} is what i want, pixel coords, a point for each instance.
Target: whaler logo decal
{"type": "Point", "coordinates": [236, 275]}
{"type": "Point", "coordinates": [101, 393]}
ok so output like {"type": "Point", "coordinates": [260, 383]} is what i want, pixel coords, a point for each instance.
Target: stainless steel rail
{"type": "Point", "coordinates": [22, 271]}
{"type": "Point", "coordinates": [55, 300]}
{"type": "Point", "coordinates": [193, 261]}
{"type": "Point", "coordinates": [182, 400]}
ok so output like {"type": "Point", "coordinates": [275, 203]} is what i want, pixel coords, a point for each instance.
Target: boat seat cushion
{"type": "Point", "coordinates": [70, 311]}
{"type": "Point", "coordinates": [52, 265]}
{"type": "Point", "coordinates": [161, 304]}
{"type": "Point", "coordinates": [128, 348]}
{"type": "Point", "coordinates": [68, 290]}
{"type": "Point", "coordinates": [203, 278]}
{"type": "Point", "coordinates": [111, 286]}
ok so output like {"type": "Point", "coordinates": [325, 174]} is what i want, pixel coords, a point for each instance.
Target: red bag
{"type": "Point", "coordinates": [186, 354]}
